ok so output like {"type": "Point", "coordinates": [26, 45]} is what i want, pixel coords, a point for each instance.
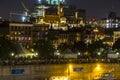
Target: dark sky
{"type": "Point", "coordinates": [94, 8]}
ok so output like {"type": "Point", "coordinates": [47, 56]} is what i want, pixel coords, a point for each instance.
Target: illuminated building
{"type": "Point", "coordinates": [92, 22]}
{"type": "Point", "coordinates": [110, 25]}
{"type": "Point", "coordinates": [58, 15]}
{"type": "Point", "coordinates": [25, 33]}
{"type": "Point", "coordinates": [39, 31]}
{"type": "Point", "coordinates": [111, 22]}
{"type": "Point", "coordinates": [116, 35]}
{"type": "Point", "coordinates": [69, 36]}
{"type": "Point", "coordinates": [21, 32]}
{"type": "Point", "coordinates": [55, 2]}
{"type": "Point", "coordinates": [40, 8]}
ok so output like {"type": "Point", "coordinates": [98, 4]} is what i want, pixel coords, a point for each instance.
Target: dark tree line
{"type": "Point", "coordinates": [6, 47]}
{"type": "Point", "coordinates": [45, 48]}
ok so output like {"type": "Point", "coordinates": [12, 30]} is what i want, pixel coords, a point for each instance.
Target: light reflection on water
{"type": "Point", "coordinates": [42, 72]}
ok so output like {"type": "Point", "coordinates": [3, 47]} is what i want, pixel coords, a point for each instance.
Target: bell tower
{"type": "Point", "coordinates": [60, 10]}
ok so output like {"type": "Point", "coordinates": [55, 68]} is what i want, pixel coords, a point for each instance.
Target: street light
{"type": "Point", "coordinates": [99, 56]}
{"type": "Point", "coordinates": [57, 53]}
{"type": "Point", "coordinates": [99, 53]}
{"type": "Point", "coordinates": [12, 54]}
{"type": "Point", "coordinates": [36, 54]}
{"type": "Point", "coordinates": [117, 53]}
{"type": "Point", "coordinates": [69, 70]}
{"type": "Point", "coordinates": [79, 53]}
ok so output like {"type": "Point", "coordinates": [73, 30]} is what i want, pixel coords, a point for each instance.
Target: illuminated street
{"type": "Point", "coordinates": [58, 71]}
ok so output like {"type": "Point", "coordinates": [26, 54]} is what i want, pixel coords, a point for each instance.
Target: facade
{"type": "Point", "coordinates": [55, 2]}
{"type": "Point", "coordinates": [21, 32]}
{"type": "Point", "coordinates": [111, 25]}
{"type": "Point", "coordinates": [60, 17]}
{"type": "Point", "coordinates": [42, 5]}
{"type": "Point", "coordinates": [39, 32]}
{"type": "Point", "coordinates": [69, 36]}
{"type": "Point", "coordinates": [116, 35]}
{"type": "Point", "coordinates": [111, 22]}
{"type": "Point", "coordinates": [24, 33]}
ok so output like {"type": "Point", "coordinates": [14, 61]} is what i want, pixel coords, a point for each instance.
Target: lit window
{"type": "Point", "coordinates": [29, 39]}
{"type": "Point", "coordinates": [15, 33]}
{"type": "Point", "coordinates": [107, 25]}
{"type": "Point", "coordinates": [107, 21]}
{"type": "Point", "coordinates": [19, 38]}
{"type": "Point", "coordinates": [22, 38]}
{"type": "Point", "coordinates": [116, 20]}
{"type": "Point", "coordinates": [15, 38]}
{"type": "Point", "coordinates": [116, 26]}
{"type": "Point", "coordinates": [11, 38]}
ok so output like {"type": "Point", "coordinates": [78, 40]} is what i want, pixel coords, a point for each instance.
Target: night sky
{"type": "Point", "coordinates": [94, 8]}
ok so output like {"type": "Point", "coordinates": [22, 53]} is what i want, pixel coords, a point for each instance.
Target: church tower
{"type": "Point", "coordinates": [60, 10]}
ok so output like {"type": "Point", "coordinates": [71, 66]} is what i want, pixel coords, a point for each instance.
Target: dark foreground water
{"type": "Point", "coordinates": [86, 71]}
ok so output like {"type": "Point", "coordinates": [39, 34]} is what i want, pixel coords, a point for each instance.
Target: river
{"type": "Point", "coordinates": [82, 71]}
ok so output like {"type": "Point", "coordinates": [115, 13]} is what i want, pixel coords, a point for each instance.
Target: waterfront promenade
{"type": "Point", "coordinates": [46, 71]}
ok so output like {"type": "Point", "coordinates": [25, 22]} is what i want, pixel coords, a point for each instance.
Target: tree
{"type": "Point", "coordinates": [44, 48]}
{"type": "Point", "coordinates": [80, 46]}
{"type": "Point", "coordinates": [96, 47]}
{"type": "Point", "coordinates": [6, 48]}
{"type": "Point", "coordinates": [62, 47]}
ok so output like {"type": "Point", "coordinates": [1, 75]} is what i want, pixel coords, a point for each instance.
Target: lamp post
{"type": "Point", "coordinates": [117, 56]}
{"type": "Point", "coordinates": [99, 55]}
{"type": "Point", "coordinates": [117, 53]}
{"type": "Point", "coordinates": [79, 53]}
{"type": "Point", "coordinates": [12, 54]}
{"type": "Point", "coordinates": [36, 54]}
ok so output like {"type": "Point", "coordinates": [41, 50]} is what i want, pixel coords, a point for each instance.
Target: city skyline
{"type": "Point", "coordinates": [97, 9]}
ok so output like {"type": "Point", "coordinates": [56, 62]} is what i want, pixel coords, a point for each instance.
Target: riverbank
{"type": "Point", "coordinates": [41, 72]}
{"type": "Point", "coordinates": [55, 61]}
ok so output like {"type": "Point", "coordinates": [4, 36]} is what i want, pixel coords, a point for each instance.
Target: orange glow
{"type": "Point", "coordinates": [98, 67]}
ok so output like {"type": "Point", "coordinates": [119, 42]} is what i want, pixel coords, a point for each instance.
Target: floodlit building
{"type": "Point", "coordinates": [40, 8]}
{"type": "Point", "coordinates": [111, 22]}
{"type": "Point", "coordinates": [21, 32]}
{"type": "Point", "coordinates": [25, 33]}
{"type": "Point", "coordinates": [58, 15]}
{"type": "Point", "coordinates": [55, 2]}
{"type": "Point", "coordinates": [116, 35]}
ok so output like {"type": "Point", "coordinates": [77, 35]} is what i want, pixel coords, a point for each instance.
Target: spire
{"type": "Point", "coordinates": [60, 9]}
